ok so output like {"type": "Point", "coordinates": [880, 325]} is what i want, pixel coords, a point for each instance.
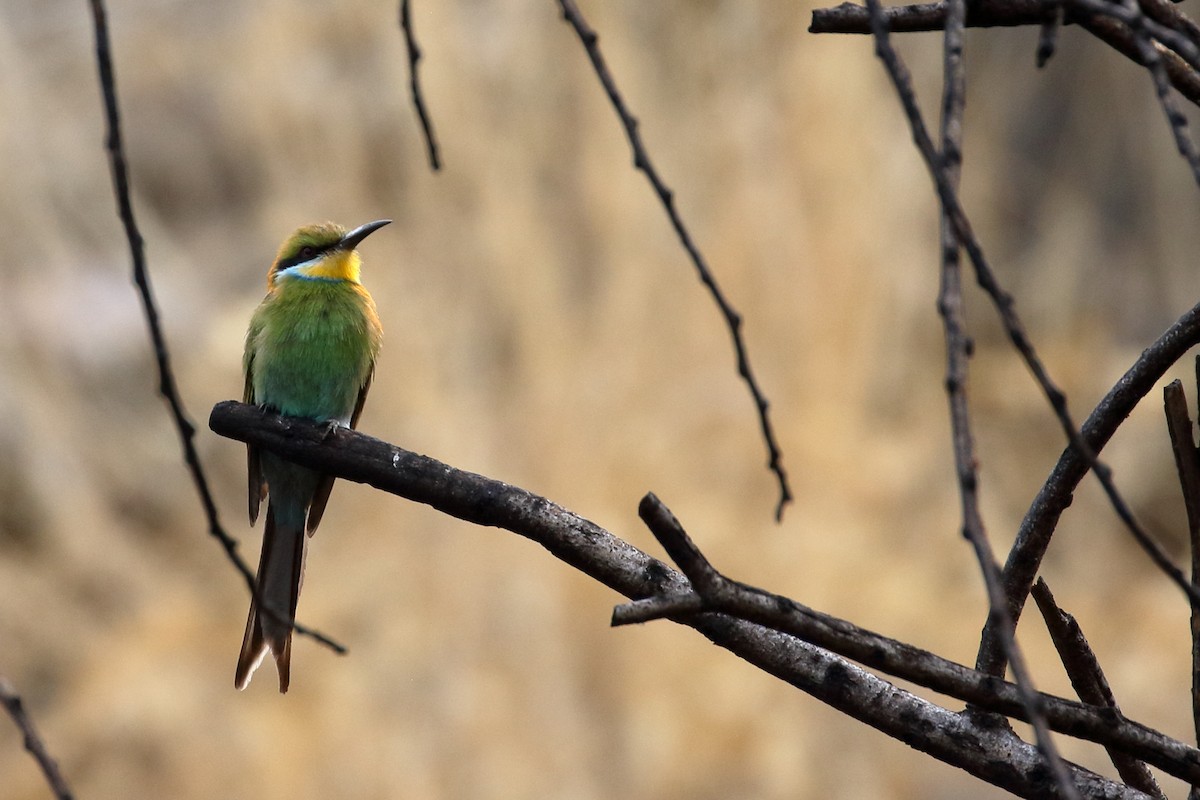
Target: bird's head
{"type": "Point", "coordinates": [321, 252]}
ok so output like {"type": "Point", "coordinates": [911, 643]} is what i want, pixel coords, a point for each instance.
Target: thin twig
{"type": "Point", "coordinates": [1087, 678]}
{"type": "Point", "coordinates": [418, 98]}
{"type": "Point", "coordinates": [33, 742]}
{"type": "Point", "coordinates": [1000, 627]}
{"type": "Point", "coordinates": [958, 350]}
{"type": "Point", "coordinates": [1131, 16]}
{"type": "Point", "coordinates": [1118, 36]}
{"type": "Point", "coordinates": [991, 753]}
{"type": "Point", "coordinates": [641, 161]}
{"type": "Point", "coordinates": [141, 277]}
{"type": "Point", "coordinates": [1152, 58]}
{"type": "Point", "coordinates": [1166, 13]}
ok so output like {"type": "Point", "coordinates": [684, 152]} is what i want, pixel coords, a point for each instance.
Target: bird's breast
{"type": "Point", "coordinates": [315, 349]}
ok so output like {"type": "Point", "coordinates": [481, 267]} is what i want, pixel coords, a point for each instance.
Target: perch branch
{"type": "Point", "coordinates": [733, 320]}
{"type": "Point", "coordinates": [141, 277]}
{"type": "Point", "coordinates": [33, 742]}
{"type": "Point", "coordinates": [992, 754]}
{"type": "Point", "coordinates": [414, 83]}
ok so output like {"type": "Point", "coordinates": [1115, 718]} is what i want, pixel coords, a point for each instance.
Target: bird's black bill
{"type": "Point", "coordinates": [351, 239]}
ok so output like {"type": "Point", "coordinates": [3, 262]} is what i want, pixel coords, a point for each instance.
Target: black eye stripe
{"type": "Point", "coordinates": [305, 253]}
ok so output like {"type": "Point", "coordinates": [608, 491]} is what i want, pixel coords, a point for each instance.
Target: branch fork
{"type": "Point", "coordinates": [711, 591]}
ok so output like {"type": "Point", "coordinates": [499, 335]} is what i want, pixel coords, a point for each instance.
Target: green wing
{"type": "Point", "coordinates": [257, 487]}
{"type": "Point", "coordinates": [321, 496]}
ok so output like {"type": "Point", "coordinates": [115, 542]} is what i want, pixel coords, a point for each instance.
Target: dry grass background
{"type": "Point", "coordinates": [544, 327]}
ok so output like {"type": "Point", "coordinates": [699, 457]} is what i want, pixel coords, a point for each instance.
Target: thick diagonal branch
{"type": "Point", "coordinates": [994, 755]}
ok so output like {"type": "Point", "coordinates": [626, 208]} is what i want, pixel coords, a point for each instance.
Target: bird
{"type": "Point", "coordinates": [310, 352]}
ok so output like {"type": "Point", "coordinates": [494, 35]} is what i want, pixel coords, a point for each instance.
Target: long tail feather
{"type": "Point", "coordinates": [280, 572]}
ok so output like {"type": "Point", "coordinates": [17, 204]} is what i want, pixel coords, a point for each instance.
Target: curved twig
{"type": "Point", "coordinates": [414, 83]}
{"type": "Point", "coordinates": [1033, 537]}
{"type": "Point", "coordinates": [641, 160]}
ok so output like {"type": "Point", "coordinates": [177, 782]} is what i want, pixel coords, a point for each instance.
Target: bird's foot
{"type": "Point", "coordinates": [331, 427]}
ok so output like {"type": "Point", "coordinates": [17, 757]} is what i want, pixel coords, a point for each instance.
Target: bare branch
{"type": "Point", "coordinates": [923, 17]}
{"type": "Point", "coordinates": [141, 278]}
{"type": "Point", "coordinates": [852, 18]}
{"type": "Point", "coordinates": [1151, 56]}
{"type": "Point", "coordinates": [991, 753]}
{"type": "Point", "coordinates": [1167, 14]}
{"type": "Point", "coordinates": [1087, 678]}
{"type": "Point", "coordinates": [1131, 16]}
{"type": "Point", "coordinates": [418, 98]}
{"type": "Point", "coordinates": [712, 591]}
{"type": "Point", "coordinates": [1006, 308]}
{"type": "Point", "coordinates": [641, 161]}
{"type": "Point", "coordinates": [956, 232]}
{"type": "Point", "coordinates": [958, 352]}
{"type": "Point", "coordinates": [33, 742]}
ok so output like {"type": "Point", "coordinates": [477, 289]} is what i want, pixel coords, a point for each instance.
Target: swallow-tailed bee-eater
{"type": "Point", "coordinates": [310, 352]}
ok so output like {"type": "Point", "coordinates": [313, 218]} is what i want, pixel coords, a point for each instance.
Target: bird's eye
{"type": "Point", "coordinates": [307, 252]}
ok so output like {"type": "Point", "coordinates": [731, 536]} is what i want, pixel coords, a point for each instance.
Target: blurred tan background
{"type": "Point", "coordinates": [544, 327]}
